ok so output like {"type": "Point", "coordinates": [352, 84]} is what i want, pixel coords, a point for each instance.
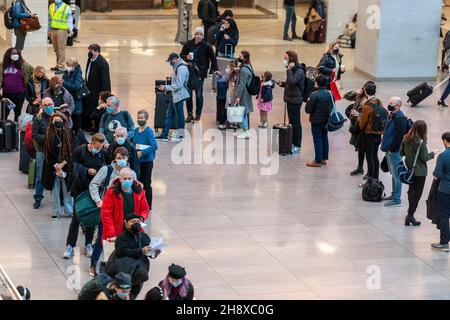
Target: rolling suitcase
{"type": "Point", "coordinates": [32, 174]}
{"type": "Point", "coordinates": [9, 133]}
{"type": "Point", "coordinates": [419, 93]}
{"type": "Point", "coordinates": [282, 137]}
{"type": "Point", "coordinates": [163, 100]}
{"type": "Point", "coordinates": [24, 157]}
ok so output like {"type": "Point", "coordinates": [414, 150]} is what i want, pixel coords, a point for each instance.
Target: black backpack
{"type": "Point", "coordinates": [380, 118]}
{"type": "Point", "coordinates": [373, 190]}
{"type": "Point", "coordinates": [8, 19]}
{"type": "Point", "coordinates": [92, 288]}
{"type": "Point", "coordinates": [255, 84]}
{"type": "Point", "coordinates": [194, 76]}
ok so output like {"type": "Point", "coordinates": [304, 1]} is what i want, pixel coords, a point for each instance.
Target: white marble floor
{"type": "Point", "coordinates": [300, 234]}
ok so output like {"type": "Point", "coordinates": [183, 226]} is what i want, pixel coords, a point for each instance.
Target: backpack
{"type": "Point", "coordinates": [92, 288]}
{"type": "Point", "coordinates": [310, 80]}
{"type": "Point", "coordinates": [373, 190]}
{"type": "Point", "coordinates": [194, 76]}
{"type": "Point", "coordinates": [255, 84]}
{"type": "Point", "coordinates": [380, 118]}
{"type": "Point", "coordinates": [8, 19]}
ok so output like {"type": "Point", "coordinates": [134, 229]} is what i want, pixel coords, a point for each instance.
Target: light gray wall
{"type": "Point", "coordinates": [406, 43]}
{"type": "Point", "coordinates": [340, 13]}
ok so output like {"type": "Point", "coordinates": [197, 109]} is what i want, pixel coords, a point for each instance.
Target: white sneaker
{"type": "Point", "coordinates": [69, 252]}
{"type": "Point", "coordinates": [296, 149]}
{"type": "Point", "coordinates": [243, 135]}
{"type": "Point", "coordinates": [237, 132]}
{"type": "Point", "coordinates": [88, 250]}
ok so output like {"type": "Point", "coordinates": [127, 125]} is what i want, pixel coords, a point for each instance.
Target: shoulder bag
{"type": "Point", "coordinates": [406, 175]}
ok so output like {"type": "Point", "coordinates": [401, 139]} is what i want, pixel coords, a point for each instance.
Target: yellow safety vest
{"type": "Point", "coordinates": [59, 18]}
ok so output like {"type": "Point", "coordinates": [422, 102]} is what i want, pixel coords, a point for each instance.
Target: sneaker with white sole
{"type": "Point", "coordinates": [296, 149]}
{"type": "Point", "coordinates": [237, 132]}
{"type": "Point", "coordinates": [393, 203]}
{"type": "Point", "coordinates": [243, 135]}
{"type": "Point", "coordinates": [88, 250]}
{"type": "Point", "coordinates": [69, 252]}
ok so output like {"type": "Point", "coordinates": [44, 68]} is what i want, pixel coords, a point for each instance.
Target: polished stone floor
{"type": "Point", "coordinates": [303, 233]}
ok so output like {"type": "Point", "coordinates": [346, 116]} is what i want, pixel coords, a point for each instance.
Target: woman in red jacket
{"type": "Point", "coordinates": [124, 197]}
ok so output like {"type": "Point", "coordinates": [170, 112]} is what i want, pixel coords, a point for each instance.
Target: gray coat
{"type": "Point", "coordinates": [243, 80]}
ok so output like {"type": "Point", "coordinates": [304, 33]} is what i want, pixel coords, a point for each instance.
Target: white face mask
{"type": "Point", "coordinates": [15, 57]}
{"type": "Point", "coordinates": [176, 284]}
{"type": "Point", "coordinates": [70, 69]}
{"type": "Point", "coordinates": [285, 63]}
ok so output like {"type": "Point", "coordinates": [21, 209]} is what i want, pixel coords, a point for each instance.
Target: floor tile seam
{"type": "Point", "coordinates": [36, 237]}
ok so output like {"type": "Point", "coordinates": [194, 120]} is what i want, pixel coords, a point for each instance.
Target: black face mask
{"type": "Point", "coordinates": [90, 55]}
{"type": "Point", "coordinates": [39, 78]}
{"type": "Point", "coordinates": [336, 51]}
{"type": "Point", "coordinates": [391, 108]}
{"type": "Point", "coordinates": [240, 60]}
{"type": "Point", "coordinates": [136, 227]}
{"type": "Point", "coordinates": [58, 124]}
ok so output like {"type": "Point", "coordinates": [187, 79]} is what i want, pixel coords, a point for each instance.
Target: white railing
{"type": "Point", "coordinates": [8, 290]}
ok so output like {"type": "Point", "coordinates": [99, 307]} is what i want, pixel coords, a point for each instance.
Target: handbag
{"type": "Point", "coordinates": [336, 120]}
{"type": "Point", "coordinates": [86, 210]}
{"type": "Point", "coordinates": [384, 165]}
{"type": "Point", "coordinates": [29, 24]}
{"type": "Point", "coordinates": [83, 92]}
{"type": "Point", "coordinates": [406, 175]}
{"type": "Point", "coordinates": [235, 114]}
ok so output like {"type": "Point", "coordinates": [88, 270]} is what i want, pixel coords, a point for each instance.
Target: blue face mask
{"type": "Point", "coordinates": [110, 109]}
{"type": "Point", "coordinates": [126, 184]}
{"type": "Point", "coordinates": [122, 163]}
{"type": "Point", "coordinates": [121, 140]}
{"type": "Point", "coordinates": [95, 151]}
{"type": "Point", "coordinates": [49, 110]}
{"type": "Point", "coordinates": [122, 295]}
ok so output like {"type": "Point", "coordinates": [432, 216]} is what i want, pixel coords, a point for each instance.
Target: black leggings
{"type": "Point", "coordinates": [18, 99]}
{"type": "Point", "coordinates": [145, 178]}
{"type": "Point", "coordinates": [361, 156]}
{"type": "Point", "coordinates": [414, 194]}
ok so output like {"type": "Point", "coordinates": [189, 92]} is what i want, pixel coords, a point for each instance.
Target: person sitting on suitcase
{"type": "Point", "coordinates": [180, 93]}
{"type": "Point", "coordinates": [114, 118]}
{"type": "Point", "coordinates": [201, 53]}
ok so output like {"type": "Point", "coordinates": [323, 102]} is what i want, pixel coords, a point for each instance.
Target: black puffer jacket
{"type": "Point", "coordinates": [294, 85]}
{"type": "Point", "coordinates": [327, 64]}
{"type": "Point", "coordinates": [319, 106]}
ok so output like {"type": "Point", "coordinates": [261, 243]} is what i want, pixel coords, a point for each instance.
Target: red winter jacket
{"type": "Point", "coordinates": [112, 215]}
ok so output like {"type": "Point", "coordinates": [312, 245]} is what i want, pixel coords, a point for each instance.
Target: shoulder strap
{"type": "Point", "coordinates": [332, 100]}
{"type": "Point", "coordinates": [249, 68]}
{"type": "Point", "coordinates": [24, 4]}
{"type": "Point", "coordinates": [417, 155]}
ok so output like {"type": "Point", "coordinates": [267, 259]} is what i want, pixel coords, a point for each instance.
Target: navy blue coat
{"type": "Point", "coordinates": [73, 82]}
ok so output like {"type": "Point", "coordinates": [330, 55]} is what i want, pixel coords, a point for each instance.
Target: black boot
{"type": "Point", "coordinates": [189, 118]}
{"type": "Point", "coordinates": [410, 220]}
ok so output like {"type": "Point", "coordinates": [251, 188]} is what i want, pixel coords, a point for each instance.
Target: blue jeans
{"type": "Point", "coordinates": [98, 246]}
{"type": "Point", "coordinates": [171, 110]}
{"type": "Point", "coordinates": [393, 159]}
{"type": "Point", "coordinates": [39, 191]}
{"type": "Point", "coordinates": [291, 19]}
{"type": "Point", "coordinates": [244, 125]}
{"type": "Point", "coordinates": [320, 139]}
{"type": "Point", "coordinates": [68, 200]}
{"type": "Point", "coordinates": [198, 100]}
{"type": "Point", "coordinates": [446, 92]}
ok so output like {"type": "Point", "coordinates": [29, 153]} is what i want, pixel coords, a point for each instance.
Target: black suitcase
{"type": "Point", "coordinates": [419, 93]}
{"type": "Point", "coordinates": [24, 157]}
{"type": "Point", "coordinates": [9, 136]}
{"type": "Point", "coordinates": [282, 137]}
{"type": "Point", "coordinates": [161, 105]}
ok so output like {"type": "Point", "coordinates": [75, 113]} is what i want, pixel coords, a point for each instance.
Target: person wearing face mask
{"type": "Point", "coordinates": [99, 111]}
{"type": "Point", "coordinates": [97, 80]}
{"type": "Point", "coordinates": [293, 95]}
{"type": "Point", "coordinates": [73, 80]}
{"type": "Point", "coordinates": [86, 160]}
{"type": "Point", "coordinates": [60, 27]}
{"type": "Point", "coordinates": [39, 128]}
{"type": "Point", "coordinates": [227, 38]}
{"type": "Point", "coordinates": [176, 285]}
{"type": "Point", "coordinates": [57, 173]}
{"type": "Point", "coordinates": [331, 65]}
{"type": "Point", "coordinates": [180, 93]}
{"type": "Point", "coordinates": [124, 197]}
{"type": "Point", "coordinates": [36, 87]}
{"type": "Point", "coordinates": [104, 287]}
{"type": "Point", "coordinates": [396, 129]}
{"type": "Point", "coordinates": [121, 140]}
{"type": "Point", "coordinates": [97, 189]}
{"type": "Point", "coordinates": [131, 249]}
{"type": "Point", "coordinates": [115, 118]}
{"type": "Point", "coordinates": [61, 96]}
{"type": "Point", "coordinates": [146, 146]}
{"type": "Point", "coordinates": [442, 174]}
{"type": "Point", "coordinates": [15, 74]}
{"type": "Point", "coordinates": [201, 54]}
